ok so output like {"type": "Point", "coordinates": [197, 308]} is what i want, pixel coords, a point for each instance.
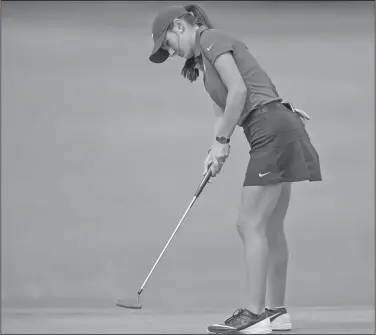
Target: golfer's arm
{"type": "Point", "coordinates": [236, 95]}
{"type": "Point", "coordinates": [218, 112]}
{"type": "Point", "coordinates": [234, 106]}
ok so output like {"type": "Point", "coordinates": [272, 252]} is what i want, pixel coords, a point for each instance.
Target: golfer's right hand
{"type": "Point", "coordinates": [208, 161]}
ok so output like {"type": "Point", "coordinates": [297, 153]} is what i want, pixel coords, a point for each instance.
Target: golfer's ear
{"type": "Point", "coordinates": [229, 72]}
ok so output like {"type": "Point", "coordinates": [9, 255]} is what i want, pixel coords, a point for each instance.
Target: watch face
{"type": "Point", "coordinates": [222, 140]}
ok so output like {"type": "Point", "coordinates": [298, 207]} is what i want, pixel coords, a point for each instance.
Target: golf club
{"type": "Point", "coordinates": [135, 304]}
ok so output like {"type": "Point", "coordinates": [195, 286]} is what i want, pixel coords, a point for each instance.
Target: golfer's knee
{"type": "Point", "coordinates": [251, 227]}
{"type": "Point", "coordinates": [239, 228]}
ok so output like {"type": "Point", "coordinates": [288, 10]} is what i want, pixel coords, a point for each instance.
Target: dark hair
{"type": "Point", "coordinates": [200, 18]}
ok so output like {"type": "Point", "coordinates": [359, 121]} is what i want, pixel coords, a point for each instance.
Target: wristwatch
{"type": "Point", "coordinates": [222, 140]}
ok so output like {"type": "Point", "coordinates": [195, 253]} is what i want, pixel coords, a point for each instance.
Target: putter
{"type": "Point", "coordinates": [135, 304]}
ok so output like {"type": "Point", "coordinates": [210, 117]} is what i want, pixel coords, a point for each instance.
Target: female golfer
{"type": "Point", "coordinates": [281, 153]}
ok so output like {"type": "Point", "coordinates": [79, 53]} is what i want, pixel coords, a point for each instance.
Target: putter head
{"type": "Point", "coordinates": [128, 303]}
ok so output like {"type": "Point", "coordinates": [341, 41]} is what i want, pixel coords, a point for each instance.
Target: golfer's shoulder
{"type": "Point", "coordinates": [215, 42]}
{"type": "Point", "coordinates": [211, 36]}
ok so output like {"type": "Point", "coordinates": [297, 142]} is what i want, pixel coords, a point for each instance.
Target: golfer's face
{"type": "Point", "coordinates": [176, 44]}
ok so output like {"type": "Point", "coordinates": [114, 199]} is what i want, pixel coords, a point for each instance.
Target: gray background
{"type": "Point", "coordinates": [102, 152]}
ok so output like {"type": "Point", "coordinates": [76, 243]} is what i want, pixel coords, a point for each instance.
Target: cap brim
{"type": "Point", "coordinates": [159, 55]}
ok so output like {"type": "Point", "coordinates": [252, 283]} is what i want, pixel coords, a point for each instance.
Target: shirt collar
{"type": "Point", "coordinates": [197, 40]}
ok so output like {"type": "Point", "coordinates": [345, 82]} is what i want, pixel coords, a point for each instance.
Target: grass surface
{"type": "Point", "coordinates": [121, 321]}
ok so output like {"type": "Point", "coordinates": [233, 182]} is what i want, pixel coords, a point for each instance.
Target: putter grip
{"type": "Point", "coordinates": [203, 183]}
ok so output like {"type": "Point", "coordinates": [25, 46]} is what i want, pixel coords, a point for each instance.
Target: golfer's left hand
{"type": "Point", "coordinates": [219, 153]}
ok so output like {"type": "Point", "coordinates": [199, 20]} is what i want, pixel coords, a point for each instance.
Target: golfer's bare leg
{"type": "Point", "coordinates": [278, 251]}
{"type": "Point", "coordinates": [257, 204]}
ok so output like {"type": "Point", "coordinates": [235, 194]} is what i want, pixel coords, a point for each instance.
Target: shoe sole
{"type": "Point", "coordinates": [283, 322]}
{"type": "Point", "coordinates": [262, 327]}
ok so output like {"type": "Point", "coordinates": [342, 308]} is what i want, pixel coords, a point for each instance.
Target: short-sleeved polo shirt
{"type": "Point", "coordinates": [211, 43]}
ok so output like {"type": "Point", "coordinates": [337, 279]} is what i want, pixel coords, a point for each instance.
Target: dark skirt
{"type": "Point", "coordinates": [281, 149]}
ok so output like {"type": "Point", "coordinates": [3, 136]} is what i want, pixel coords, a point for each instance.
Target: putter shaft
{"type": "Point", "coordinates": [168, 242]}
{"type": "Point", "coordinates": [197, 194]}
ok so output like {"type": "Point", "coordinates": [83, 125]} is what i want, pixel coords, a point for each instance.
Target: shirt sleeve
{"type": "Point", "coordinates": [215, 43]}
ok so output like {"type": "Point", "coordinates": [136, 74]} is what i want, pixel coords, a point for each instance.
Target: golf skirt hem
{"type": "Point", "coordinates": [281, 150]}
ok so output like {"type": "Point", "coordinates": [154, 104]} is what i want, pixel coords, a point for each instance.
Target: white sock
{"type": "Point", "coordinates": [274, 308]}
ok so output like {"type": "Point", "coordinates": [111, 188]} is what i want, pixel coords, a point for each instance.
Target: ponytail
{"type": "Point", "coordinates": [200, 18]}
{"type": "Point", "coordinates": [189, 70]}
